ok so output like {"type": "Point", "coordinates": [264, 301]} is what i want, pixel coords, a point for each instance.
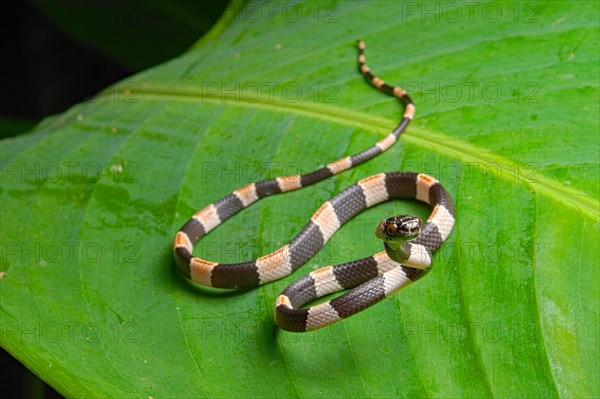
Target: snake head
{"type": "Point", "coordinates": [398, 229]}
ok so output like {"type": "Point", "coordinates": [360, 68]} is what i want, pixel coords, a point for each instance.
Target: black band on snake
{"type": "Point", "coordinates": [408, 245]}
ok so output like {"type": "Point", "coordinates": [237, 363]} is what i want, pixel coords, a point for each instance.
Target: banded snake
{"type": "Point", "coordinates": [408, 245]}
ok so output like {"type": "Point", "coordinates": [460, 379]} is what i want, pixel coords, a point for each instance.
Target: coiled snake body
{"type": "Point", "coordinates": [408, 245]}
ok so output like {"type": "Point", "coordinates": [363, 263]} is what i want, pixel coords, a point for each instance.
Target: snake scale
{"type": "Point", "coordinates": [408, 244]}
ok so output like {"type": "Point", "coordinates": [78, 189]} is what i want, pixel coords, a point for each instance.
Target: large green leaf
{"type": "Point", "coordinates": [507, 119]}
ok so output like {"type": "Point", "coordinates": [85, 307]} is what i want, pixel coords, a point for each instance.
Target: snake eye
{"type": "Point", "coordinates": [391, 229]}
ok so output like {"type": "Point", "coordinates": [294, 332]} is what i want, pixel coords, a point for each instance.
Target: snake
{"type": "Point", "coordinates": [408, 243]}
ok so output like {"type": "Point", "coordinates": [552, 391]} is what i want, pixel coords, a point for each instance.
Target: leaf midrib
{"type": "Point", "coordinates": [439, 142]}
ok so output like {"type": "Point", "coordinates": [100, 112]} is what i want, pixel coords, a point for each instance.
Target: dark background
{"type": "Point", "coordinates": [56, 53]}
